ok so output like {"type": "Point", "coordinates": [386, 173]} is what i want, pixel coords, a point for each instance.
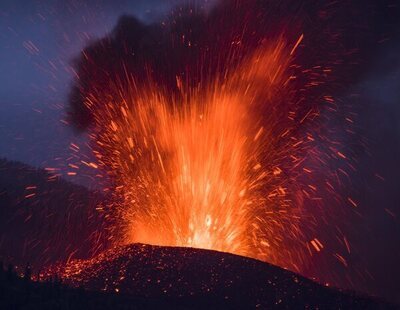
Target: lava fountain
{"type": "Point", "coordinates": [198, 161]}
{"type": "Point", "coordinates": [204, 170]}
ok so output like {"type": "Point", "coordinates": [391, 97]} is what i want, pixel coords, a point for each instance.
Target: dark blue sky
{"type": "Point", "coordinates": [38, 40]}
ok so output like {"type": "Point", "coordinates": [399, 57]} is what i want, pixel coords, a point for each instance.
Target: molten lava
{"type": "Point", "coordinates": [214, 167]}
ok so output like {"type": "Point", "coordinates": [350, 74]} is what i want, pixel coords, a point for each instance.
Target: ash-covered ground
{"type": "Point", "coordinates": [191, 278]}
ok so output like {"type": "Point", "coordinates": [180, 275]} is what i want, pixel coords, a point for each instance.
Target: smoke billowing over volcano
{"type": "Point", "coordinates": [193, 44]}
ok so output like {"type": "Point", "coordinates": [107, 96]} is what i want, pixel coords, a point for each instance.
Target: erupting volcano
{"type": "Point", "coordinates": [212, 130]}
{"type": "Point", "coordinates": [194, 149]}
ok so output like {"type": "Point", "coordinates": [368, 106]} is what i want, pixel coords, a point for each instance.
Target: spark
{"type": "Point", "coordinates": [354, 204]}
{"type": "Point", "coordinates": [297, 44]}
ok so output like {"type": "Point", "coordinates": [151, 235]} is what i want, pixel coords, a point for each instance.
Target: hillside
{"type": "Point", "coordinates": [197, 279]}
{"type": "Point", "coordinates": [43, 218]}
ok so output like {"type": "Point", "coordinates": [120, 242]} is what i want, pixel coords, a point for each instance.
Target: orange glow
{"type": "Point", "coordinates": [210, 168]}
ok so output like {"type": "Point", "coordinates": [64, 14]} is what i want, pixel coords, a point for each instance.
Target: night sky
{"type": "Point", "coordinates": [35, 83]}
{"type": "Point", "coordinates": [40, 39]}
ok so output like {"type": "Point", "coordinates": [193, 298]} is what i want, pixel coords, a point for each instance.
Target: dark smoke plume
{"type": "Point", "coordinates": [192, 44]}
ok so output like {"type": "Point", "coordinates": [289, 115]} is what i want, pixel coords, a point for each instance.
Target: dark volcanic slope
{"type": "Point", "coordinates": [188, 277]}
{"type": "Point", "coordinates": [43, 218]}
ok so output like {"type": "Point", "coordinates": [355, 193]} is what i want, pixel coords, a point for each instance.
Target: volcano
{"type": "Point", "coordinates": [195, 278]}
